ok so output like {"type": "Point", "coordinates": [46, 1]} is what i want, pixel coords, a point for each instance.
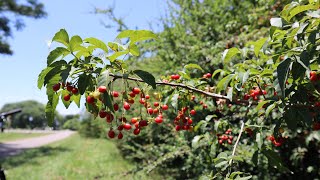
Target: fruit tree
{"type": "Point", "coordinates": [272, 85]}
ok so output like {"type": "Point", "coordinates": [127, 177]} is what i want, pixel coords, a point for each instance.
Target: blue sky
{"type": "Point", "coordinates": [20, 71]}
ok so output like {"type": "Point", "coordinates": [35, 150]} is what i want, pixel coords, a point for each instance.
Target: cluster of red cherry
{"type": "Point", "coordinates": [183, 121]}
{"type": "Point", "coordinates": [225, 137]}
{"type": "Point", "coordinates": [136, 123]}
{"type": "Point", "coordinates": [72, 90]}
{"type": "Point", "coordinates": [254, 93]}
{"type": "Point", "coordinates": [277, 142]}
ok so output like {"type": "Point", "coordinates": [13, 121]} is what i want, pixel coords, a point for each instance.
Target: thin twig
{"type": "Point", "coordinates": [236, 144]}
{"type": "Point", "coordinates": [214, 95]}
{"type": "Point", "coordinates": [239, 136]}
{"type": "Point", "coordinates": [264, 97]}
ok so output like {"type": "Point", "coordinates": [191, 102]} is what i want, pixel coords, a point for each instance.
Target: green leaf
{"type": "Point", "coordinates": [259, 140]}
{"type": "Point", "coordinates": [42, 75]}
{"type": "Point", "coordinates": [282, 74]}
{"type": "Point", "coordinates": [199, 124]}
{"type": "Point", "coordinates": [97, 43]}
{"type": "Point", "coordinates": [300, 9]}
{"type": "Point", "coordinates": [83, 83]}
{"type": "Point", "coordinates": [193, 66]}
{"type": "Point", "coordinates": [146, 77]}
{"type": "Point", "coordinates": [258, 45]}
{"type": "Point", "coordinates": [244, 76]}
{"type": "Point", "coordinates": [255, 157]}
{"type": "Point", "coordinates": [56, 53]}
{"type": "Point", "coordinates": [107, 101]}
{"type": "Point", "coordinates": [274, 160]}
{"type": "Point", "coordinates": [115, 55]}
{"type": "Point", "coordinates": [137, 35]}
{"type": "Point", "coordinates": [195, 141]}
{"type": "Point", "coordinates": [61, 37]}
{"type": "Point", "coordinates": [229, 53]}
{"type": "Point", "coordinates": [277, 22]}
{"type": "Point", "coordinates": [104, 78]}
{"type": "Point", "coordinates": [270, 108]}
{"type": "Point", "coordinates": [216, 72]}
{"type": "Point", "coordinates": [223, 83]}
{"type": "Point", "coordinates": [230, 93]}
{"type": "Point", "coordinates": [75, 42]}
{"type": "Point", "coordinates": [261, 103]}
{"type": "Point", "coordinates": [76, 99]}
{"type": "Point", "coordinates": [134, 50]}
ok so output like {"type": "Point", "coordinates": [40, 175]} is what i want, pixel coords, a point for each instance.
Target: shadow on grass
{"type": "Point", "coordinates": [29, 156]}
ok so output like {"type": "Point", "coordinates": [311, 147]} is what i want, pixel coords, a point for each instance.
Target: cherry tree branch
{"type": "Point", "coordinates": [209, 94]}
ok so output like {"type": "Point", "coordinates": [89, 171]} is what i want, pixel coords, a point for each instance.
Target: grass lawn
{"type": "Point", "coordinates": [73, 158]}
{"type": "Point", "coordinates": [11, 136]}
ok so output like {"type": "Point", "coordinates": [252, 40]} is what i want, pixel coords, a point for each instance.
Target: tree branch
{"type": "Point", "coordinates": [214, 95]}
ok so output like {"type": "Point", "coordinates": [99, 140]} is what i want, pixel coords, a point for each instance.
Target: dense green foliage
{"type": "Point", "coordinates": [11, 13]}
{"type": "Point", "coordinates": [256, 114]}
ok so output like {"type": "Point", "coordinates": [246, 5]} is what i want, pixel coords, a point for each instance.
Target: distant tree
{"type": "Point", "coordinates": [32, 115]}
{"type": "Point", "coordinates": [11, 13]}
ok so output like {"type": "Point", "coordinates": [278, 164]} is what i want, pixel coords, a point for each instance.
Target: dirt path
{"type": "Point", "coordinates": [15, 147]}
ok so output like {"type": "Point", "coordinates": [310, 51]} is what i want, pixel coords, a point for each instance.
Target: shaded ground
{"type": "Point", "coordinates": [15, 147]}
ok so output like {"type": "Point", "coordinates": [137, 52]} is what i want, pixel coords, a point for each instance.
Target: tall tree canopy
{"type": "Point", "coordinates": [11, 13]}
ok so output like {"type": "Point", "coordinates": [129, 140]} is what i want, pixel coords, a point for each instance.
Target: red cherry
{"type": "Point", "coordinates": [69, 88]}
{"type": "Point", "coordinates": [165, 107]}
{"type": "Point", "coordinates": [127, 126]}
{"type": "Point", "coordinates": [231, 138]}
{"type": "Point", "coordinates": [66, 97]}
{"type": "Point", "coordinates": [120, 135]}
{"type": "Point", "coordinates": [264, 92]}
{"type": "Point", "coordinates": [316, 126]}
{"type": "Point", "coordinates": [75, 90]}
{"type": "Point", "coordinates": [158, 120]}
{"type": "Point", "coordinates": [143, 123]}
{"type": "Point", "coordinates": [136, 131]}
{"type": "Point", "coordinates": [136, 124]}
{"type": "Point", "coordinates": [246, 96]}
{"type": "Point", "coordinates": [155, 111]}
{"type": "Point", "coordinates": [208, 75]}
{"type": "Point", "coordinates": [220, 141]}
{"type": "Point", "coordinates": [172, 77]}
{"type": "Point", "coordinates": [111, 134]}
{"type": "Point", "coordinates": [102, 89]}
{"type": "Point", "coordinates": [103, 114]}
{"type": "Point", "coordinates": [122, 119]}
{"type": "Point", "coordinates": [136, 90]}
{"type": "Point", "coordinates": [190, 121]}
{"type": "Point", "coordinates": [56, 87]}
{"type": "Point", "coordinates": [120, 127]}
{"type": "Point", "coordinates": [150, 111]}
{"type": "Point", "coordinates": [156, 104]}
{"type": "Point", "coordinates": [116, 107]}
{"type": "Point", "coordinates": [90, 99]}
{"type": "Point", "coordinates": [147, 96]}
{"type": "Point", "coordinates": [130, 101]}
{"type": "Point", "coordinates": [109, 117]}
{"type": "Point", "coordinates": [193, 97]}
{"type": "Point", "coordinates": [126, 106]}
{"type": "Point", "coordinates": [178, 128]}
{"type": "Point", "coordinates": [134, 120]}
{"type": "Point", "coordinates": [205, 106]}
{"type": "Point", "coordinates": [193, 112]}
{"type": "Point", "coordinates": [142, 101]}
{"type": "Point", "coordinates": [132, 94]}
{"type": "Point", "coordinates": [271, 138]}
{"type": "Point", "coordinates": [115, 94]}
{"type": "Point", "coordinates": [229, 141]}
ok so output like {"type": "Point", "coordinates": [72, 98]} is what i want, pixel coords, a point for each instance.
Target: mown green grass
{"type": "Point", "coordinates": [73, 158]}
{"type": "Point", "coordinates": [5, 137]}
